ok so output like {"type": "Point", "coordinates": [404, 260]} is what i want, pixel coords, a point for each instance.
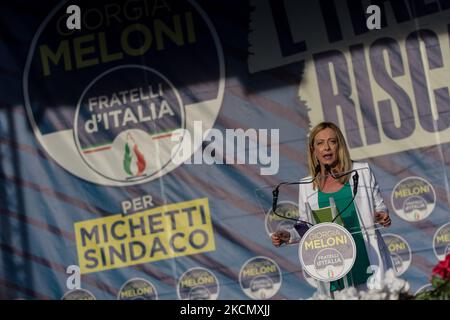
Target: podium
{"type": "Point", "coordinates": [332, 250]}
{"type": "Point", "coordinates": [339, 252]}
{"type": "Point", "coordinates": [328, 221]}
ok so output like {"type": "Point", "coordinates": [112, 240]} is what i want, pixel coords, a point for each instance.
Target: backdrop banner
{"type": "Point", "coordinates": [137, 153]}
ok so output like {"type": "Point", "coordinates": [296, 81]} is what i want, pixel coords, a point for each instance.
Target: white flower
{"type": "Point", "coordinates": [347, 294]}
{"type": "Point", "coordinates": [395, 285]}
{"type": "Point", "coordinates": [373, 295]}
{"type": "Point", "coordinates": [390, 288]}
{"type": "Point", "coordinates": [318, 296]}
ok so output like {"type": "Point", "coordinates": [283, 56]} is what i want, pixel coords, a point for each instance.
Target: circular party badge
{"type": "Point", "coordinates": [112, 103]}
{"type": "Point", "coordinates": [327, 252]}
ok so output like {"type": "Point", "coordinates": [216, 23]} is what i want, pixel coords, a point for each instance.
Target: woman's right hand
{"type": "Point", "coordinates": [279, 237]}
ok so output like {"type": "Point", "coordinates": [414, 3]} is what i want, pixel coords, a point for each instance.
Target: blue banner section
{"type": "Point", "coordinates": [137, 153]}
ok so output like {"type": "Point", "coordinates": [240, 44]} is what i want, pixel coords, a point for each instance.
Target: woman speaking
{"type": "Point", "coordinates": [333, 174]}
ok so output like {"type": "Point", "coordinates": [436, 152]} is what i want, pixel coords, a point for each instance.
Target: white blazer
{"type": "Point", "coordinates": [367, 201]}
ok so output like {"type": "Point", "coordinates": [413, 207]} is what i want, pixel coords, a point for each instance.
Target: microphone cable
{"type": "Point", "coordinates": [276, 191]}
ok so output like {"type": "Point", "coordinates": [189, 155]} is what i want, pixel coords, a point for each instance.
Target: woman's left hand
{"type": "Point", "coordinates": [383, 219]}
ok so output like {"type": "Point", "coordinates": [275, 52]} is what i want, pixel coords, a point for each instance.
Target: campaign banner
{"type": "Point", "coordinates": [141, 140]}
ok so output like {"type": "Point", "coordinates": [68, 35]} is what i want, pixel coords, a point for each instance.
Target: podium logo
{"type": "Point", "coordinates": [441, 241]}
{"type": "Point", "coordinates": [400, 252]}
{"type": "Point", "coordinates": [329, 263]}
{"type": "Point", "coordinates": [413, 199]}
{"type": "Point", "coordinates": [327, 252]}
{"type": "Point", "coordinates": [137, 289]}
{"type": "Point", "coordinates": [260, 278]}
{"type": "Point", "coordinates": [122, 86]}
{"type": "Point", "coordinates": [198, 284]}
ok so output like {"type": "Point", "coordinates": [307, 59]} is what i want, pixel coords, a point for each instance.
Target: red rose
{"type": "Point", "coordinates": [443, 268]}
{"type": "Point", "coordinates": [447, 262]}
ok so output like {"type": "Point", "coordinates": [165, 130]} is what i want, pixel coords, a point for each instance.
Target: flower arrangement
{"type": "Point", "coordinates": [440, 281]}
{"type": "Point", "coordinates": [392, 288]}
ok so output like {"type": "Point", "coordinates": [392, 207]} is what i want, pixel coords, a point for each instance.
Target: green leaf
{"type": "Point", "coordinates": [437, 281]}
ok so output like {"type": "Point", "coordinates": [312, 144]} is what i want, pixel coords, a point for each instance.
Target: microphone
{"type": "Point", "coordinates": [355, 183]}
{"type": "Point", "coordinates": [276, 191]}
{"type": "Point", "coordinates": [275, 198]}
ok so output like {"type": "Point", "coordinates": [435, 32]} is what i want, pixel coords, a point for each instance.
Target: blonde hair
{"type": "Point", "coordinates": [343, 155]}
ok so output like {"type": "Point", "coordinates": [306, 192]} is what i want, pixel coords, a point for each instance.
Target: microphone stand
{"type": "Point", "coordinates": [301, 226]}
{"type": "Point", "coordinates": [276, 191]}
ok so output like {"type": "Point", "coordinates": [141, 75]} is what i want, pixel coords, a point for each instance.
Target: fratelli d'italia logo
{"type": "Point", "coordinates": [123, 135]}
{"type": "Point", "coordinates": [260, 278]}
{"type": "Point", "coordinates": [107, 101]}
{"type": "Point", "coordinates": [198, 284]}
{"type": "Point", "coordinates": [413, 199]}
{"type": "Point", "coordinates": [400, 252]}
{"type": "Point", "coordinates": [288, 212]}
{"type": "Point", "coordinates": [441, 241]}
{"type": "Point", "coordinates": [137, 289]}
